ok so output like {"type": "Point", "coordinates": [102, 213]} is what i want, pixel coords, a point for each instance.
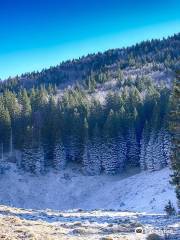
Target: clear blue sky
{"type": "Point", "coordinates": [35, 34]}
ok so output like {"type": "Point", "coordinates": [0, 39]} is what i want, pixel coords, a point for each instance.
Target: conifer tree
{"type": "Point", "coordinates": [38, 158]}
{"type": "Point", "coordinates": [121, 151]}
{"type": "Point", "coordinates": [143, 147]}
{"type": "Point", "coordinates": [157, 153]}
{"type": "Point", "coordinates": [132, 147]}
{"type": "Point", "coordinates": [167, 147]}
{"type": "Point", "coordinates": [95, 150]}
{"type": "Point", "coordinates": [175, 130]}
{"type": "Point", "coordinates": [25, 103]}
{"type": "Point", "coordinates": [59, 155]}
{"type": "Point", "coordinates": [87, 168]}
{"type": "Point", "coordinates": [5, 126]}
{"type": "Point", "coordinates": [149, 160]}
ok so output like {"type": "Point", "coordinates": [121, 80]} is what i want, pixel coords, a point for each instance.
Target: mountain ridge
{"type": "Point", "coordinates": [78, 69]}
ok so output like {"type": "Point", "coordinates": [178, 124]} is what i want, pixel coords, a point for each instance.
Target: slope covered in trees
{"type": "Point", "coordinates": [46, 123]}
{"type": "Point", "coordinates": [101, 67]}
{"type": "Point", "coordinates": [52, 132]}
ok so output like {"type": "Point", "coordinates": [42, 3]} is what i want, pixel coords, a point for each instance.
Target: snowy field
{"type": "Point", "coordinates": [142, 192]}
{"type": "Point", "coordinates": [69, 205]}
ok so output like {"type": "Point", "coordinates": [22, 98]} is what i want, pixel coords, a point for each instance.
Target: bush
{"type": "Point", "coordinates": [169, 209]}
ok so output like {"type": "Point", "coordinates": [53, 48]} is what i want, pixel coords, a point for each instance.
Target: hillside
{"type": "Point", "coordinates": [155, 55]}
{"type": "Point", "coordinates": [70, 205]}
{"type": "Point", "coordinates": [107, 114]}
{"type": "Point", "coordinates": [90, 120]}
{"type": "Point", "coordinates": [133, 191]}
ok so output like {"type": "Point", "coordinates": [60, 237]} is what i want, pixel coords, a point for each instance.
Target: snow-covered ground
{"type": "Point", "coordinates": [142, 192]}
{"type": "Point", "coordinates": [18, 223]}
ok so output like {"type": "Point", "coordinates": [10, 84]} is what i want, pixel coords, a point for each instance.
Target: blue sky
{"type": "Point", "coordinates": [38, 34]}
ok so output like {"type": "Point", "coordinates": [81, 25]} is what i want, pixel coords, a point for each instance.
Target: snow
{"type": "Point", "coordinates": [78, 224]}
{"type": "Point", "coordinates": [141, 192]}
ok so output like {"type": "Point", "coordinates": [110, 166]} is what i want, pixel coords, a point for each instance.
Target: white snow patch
{"type": "Point", "coordinates": [143, 192]}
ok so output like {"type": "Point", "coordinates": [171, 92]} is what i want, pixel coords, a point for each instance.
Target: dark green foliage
{"type": "Point", "coordinates": [43, 114]}
{"type": "Point", "coordinates": [100, 67]}
{"type": "Point", "coordinates": [174, 125]}
{"type": "Point", "coordinates": [5, 125]}
{"type": "Point", "coordinates": [74, 119]}
{"type": "Point", "coordinates": [169, 209]}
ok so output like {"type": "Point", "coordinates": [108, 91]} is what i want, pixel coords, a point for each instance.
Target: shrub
{"type": "Point", "coordinates": [169, 209]}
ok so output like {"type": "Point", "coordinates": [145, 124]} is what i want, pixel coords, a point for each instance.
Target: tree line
{"type": "Point", "coordinates": [52, 131]}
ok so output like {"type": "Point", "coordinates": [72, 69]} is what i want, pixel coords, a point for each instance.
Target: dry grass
{"type": "Point", "coordinates": [15, 225]}
{"type": "Point", "coordinates": [14, 228]}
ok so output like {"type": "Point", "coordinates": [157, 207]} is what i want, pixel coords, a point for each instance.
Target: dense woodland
{"type": "Point", "coordinates": [102, 65]}
{"type": "Point", "coordinates": [129, 129]}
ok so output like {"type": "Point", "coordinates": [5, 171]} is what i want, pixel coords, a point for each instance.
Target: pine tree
{"type": "Point", "coordinates": [92, 152]}
{"type": "Point", "coordinates": [110, 160]}
{"type": "Point", "coordinates": [174, 126]}
{"type": "Point", "coordinates": [38, 159]}
{"type": "Point", "coordinates": [27, 163]}
{"type": "Point", "coordinates": [167, 147]}
{"type": "Point", "coordinates": [87, 168]}
{"type": "Point", "coordinates": [25, 103]}
{"type": "Point", "coordinates": [5, 126]}
{"type": "Point", "coordinates": [121, 151]}
{"type": "Point", "coordinates": [157, 153]}
{"type": "Point", "coordinates": [132, 148]}
{"type": "Point", "coordinates": [10, 102]}
{"type": "Point", "coordinates": [149, 160]}
{"type": "Point", "coordinates": [59, 155]}
{"type": "Point", "coordinates": [143, 147]}
{"type": "Point", "coordinates": [94, 155]}
{"type": "Point", "coordinates": [86, 156]}
{"type": "Point", "coordinates": [169, 209]}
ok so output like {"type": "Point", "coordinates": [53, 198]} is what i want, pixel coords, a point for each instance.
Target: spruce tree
{"type": "Point", "coordinates": [174, 125]}
{"type": "Point", "coordinates": [59, 155]}
{"type": "Point", "coordinates": [143, 146]}
{"type": "Point", "coordinates": [132, 147]}
{"type": "Point", "coordinates": [121, 151]}
{"type": "Point", "coordinates": [149, 160]}
{"type": "Point", "coordinates": [38, 158]}
{"type": "Point", "coordinates": [5, 126]}
{"type": "Point", "coordinates": [157, 153]}
{"type": "Point", "coordinates": [167, 147]}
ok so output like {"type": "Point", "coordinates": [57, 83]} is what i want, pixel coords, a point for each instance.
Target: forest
{"type": "Point", "coordinates": [52, 118]}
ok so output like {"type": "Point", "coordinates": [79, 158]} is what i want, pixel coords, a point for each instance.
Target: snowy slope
{"type": "Point", "coordinates": [143, 192]}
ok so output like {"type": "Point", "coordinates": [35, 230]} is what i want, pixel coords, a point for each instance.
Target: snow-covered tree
{"type": "Point", "coordinates": [121, 150]}
{"type": "Point", "coordinates": [38, 159]}
{"type": "Point", "coordinates": [167, 147]}
{"type": "Point", "coordinates": [59, 156]}
{"type": "Point", "coordinates": [73, 148]}
{"type": "Point", "coordinates": [132, 148]}
{"type": "Point", "coordinates": [110, 156]}
{"type": "Point", "coordinates": [143, 147]}
{"type": "Point", "coordinates": [92, 154]}
{"type": "Point", "coordinates": [157, 153]}
{"type": "Point", "coordinates": [32, 158]}
{"type": "Point", "coordinates": [86, 159]}
{"type": "Point", "coordinates": [27, 162]}
{"type": "Point", "coordinates": [149, 161]}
